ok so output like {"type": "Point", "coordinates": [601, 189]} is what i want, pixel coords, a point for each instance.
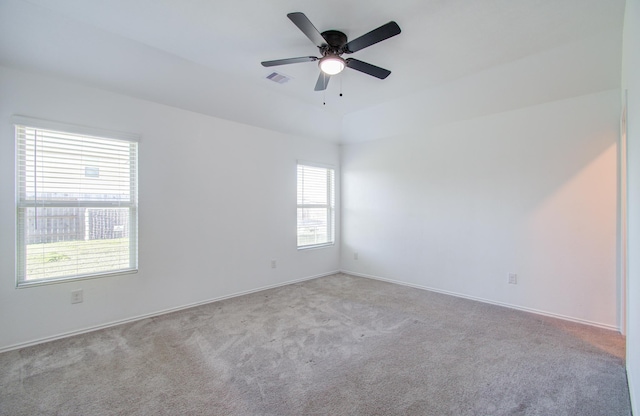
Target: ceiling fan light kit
{"type": "Point", "coordinates": [332, 44]}
{"type": "Point", "coordinates": [331, 64]}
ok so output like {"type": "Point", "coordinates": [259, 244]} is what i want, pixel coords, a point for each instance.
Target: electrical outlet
{"type": "Point", "coordinates": [76, 296]}
{"type": "Point", "coordinates": [513, 279]}
{"type": "Point", "coordinates": [274, 264]}
{"type": "Point", "coordinates": [355, 256]}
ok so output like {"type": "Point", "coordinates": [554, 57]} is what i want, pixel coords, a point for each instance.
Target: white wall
{"type": "Point", "coordinates": [217, 203]}
{"type": "Point", "coordinates": [631, 82]}
{"type": "Point", "coordinates": [457, 207]}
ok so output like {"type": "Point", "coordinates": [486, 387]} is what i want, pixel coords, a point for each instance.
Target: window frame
{"type": "Point", "coordinates": [330, 206]}
{"type": "Point", "coordinates": [22, 204]}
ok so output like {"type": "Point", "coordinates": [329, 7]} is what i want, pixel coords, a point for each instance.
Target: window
{"type": "Point", "coordinates": [316, 206]}
{"type": "Point", "coordinates": [77, 199]}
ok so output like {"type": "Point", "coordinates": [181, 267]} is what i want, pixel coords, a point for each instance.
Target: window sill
{"type": "Point", "coordinates": [43, 282]}
{"type": "Point", "coordinates": [316, 246]}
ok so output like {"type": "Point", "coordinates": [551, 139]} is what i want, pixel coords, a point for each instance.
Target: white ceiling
{"type": "Point", "coordinates": [205, 56]}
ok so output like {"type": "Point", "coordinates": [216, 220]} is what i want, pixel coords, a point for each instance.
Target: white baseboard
{"type": "Point", "coordinates": [493, 302]}
{"type": "Point", "coordinates": [631, 383]}
{"type": "Point", "coordinates": [157, 313]}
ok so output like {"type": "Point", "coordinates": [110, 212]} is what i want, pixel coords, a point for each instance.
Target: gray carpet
{"type": "Point", "coordinates": [337, 345]}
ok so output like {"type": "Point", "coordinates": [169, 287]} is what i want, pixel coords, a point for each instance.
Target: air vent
{"type": "Point", "coordinates": [279, 78]}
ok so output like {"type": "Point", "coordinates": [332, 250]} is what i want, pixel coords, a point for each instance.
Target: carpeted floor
{"type": "Point", "coordinates": [337, 345]}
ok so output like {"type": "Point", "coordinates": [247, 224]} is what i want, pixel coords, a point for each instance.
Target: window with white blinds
{"type": "Point", "coordinates": [77, 198]}
{"type": "Point", "coordinates": [316, 206]}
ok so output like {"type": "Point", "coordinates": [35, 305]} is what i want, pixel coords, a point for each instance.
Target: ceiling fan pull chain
{"type": "Point", "coordinates": [324, 91]}
{"type": "Point", "coordinates": [340, 85]}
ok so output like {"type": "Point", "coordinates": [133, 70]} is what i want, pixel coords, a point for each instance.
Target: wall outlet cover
{"type": "Point", "coordinates": [76, 296]}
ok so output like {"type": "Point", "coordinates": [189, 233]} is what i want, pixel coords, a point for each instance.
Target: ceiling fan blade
{"type": "Point", "coordinates": [289, 61]}
{"type": "Point", "coordinates": [372, 70]}
{"type": "Point", "coordinates": [376, 35]}
{"type": "Point", "coordinates": [323, 81]}
{"type": "Point", "coordinates": [304, 24]}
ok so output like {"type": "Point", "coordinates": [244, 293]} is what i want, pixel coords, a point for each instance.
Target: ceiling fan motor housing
{"type": "Point", "coordinates": [336, 42]}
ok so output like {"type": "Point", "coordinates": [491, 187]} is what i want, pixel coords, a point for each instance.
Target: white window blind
{"type": "Point", "coordinates": [316, 206]}
{"type": "Point", "coordinates": [77, 203]}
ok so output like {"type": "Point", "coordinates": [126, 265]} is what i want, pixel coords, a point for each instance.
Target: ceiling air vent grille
{"type": "Point", "coordinates": [279, 78]}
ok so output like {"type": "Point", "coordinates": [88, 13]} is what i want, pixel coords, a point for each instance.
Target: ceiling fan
{"type": "Point", "coordinates": [332, 44]}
